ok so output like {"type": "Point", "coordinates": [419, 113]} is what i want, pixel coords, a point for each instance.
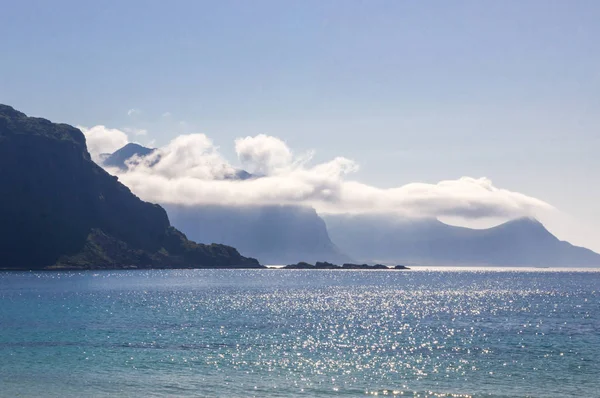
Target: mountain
{"type": "Point", "coordinates": [119, 157]}
{"type": "Point", "coordinates": [58, 209]}
{"type": "Point", "coordinates": [273, 234]}
{"type": "Point", "coordinates": [521, 242]}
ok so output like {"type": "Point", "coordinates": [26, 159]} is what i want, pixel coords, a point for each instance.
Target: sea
{"type": "Point", "coordinates": [424, 332]}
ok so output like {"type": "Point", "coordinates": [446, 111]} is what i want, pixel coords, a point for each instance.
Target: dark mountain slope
{"type": "Point", "coordinates": [59, 209]}
{"type": "Point", "coordinates": [519, 242]}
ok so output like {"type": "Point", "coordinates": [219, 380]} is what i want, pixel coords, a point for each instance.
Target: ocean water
{"type": "Point", "coordinates": [278, 333]}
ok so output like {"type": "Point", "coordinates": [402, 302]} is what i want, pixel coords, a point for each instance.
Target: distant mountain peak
{"type": "Point", "coordinates": [135, 146]}
{"type": "Point", "coordinates": [525, 220]}
{"type": "Point", "coordinates": [524, 241]}
{"type": "Point", "coordinates": [528, 225]}
{"type": "Point", "coordinates": [120, 156]}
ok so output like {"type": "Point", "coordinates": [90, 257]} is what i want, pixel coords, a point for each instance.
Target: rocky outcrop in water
{"type": "Point", "coordinates": [347, 266]}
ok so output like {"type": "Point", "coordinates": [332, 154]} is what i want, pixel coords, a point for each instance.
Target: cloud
{"type": "Point", "coordinates": [188, 156]}
{"type": "Point", "coordinates": [133, 112]}
{"type": "Point", "coordinates": [465, 197]}
{"type": "Point", "coordinates": [263, 154]}
{"type": "Point", "coordinates": [135, 131]}
{"type": "Point", "coordinates": [101, 140]}
{"type": "Point", "coordinates": [167, 114]}
{"type": "Point", "coordinates": [191, 171]}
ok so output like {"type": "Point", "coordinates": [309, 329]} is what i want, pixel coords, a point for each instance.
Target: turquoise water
{"type": "Point", "coordinates": [279, 333]}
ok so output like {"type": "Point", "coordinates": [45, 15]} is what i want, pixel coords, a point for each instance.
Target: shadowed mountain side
{"type": "Point", "coordinates": [521, 242]}
{"type": "Point", "coordinates": [273, 234]}
{"type": "Point", "coordinates": [59, 209]}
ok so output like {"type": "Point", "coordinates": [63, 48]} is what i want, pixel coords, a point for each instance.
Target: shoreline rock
{"type": "Point", "coordinates": [348, 266]}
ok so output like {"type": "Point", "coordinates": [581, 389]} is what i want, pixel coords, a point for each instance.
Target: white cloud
{"type": "Point", "coordinates": [133, 112]}
{"type": "Point", "coordinates": [190, 171]}
{"type": "Point", "coordinates": [263, 154]}
{"type": "Point", "coordinates": [101, 140]}
{"type": "Point", "coordinates": [187, 156]}
{"type": "Point", "coordinates": [465, 197]}
{"type": "Point", "coordinates": [135, 131]}
{"type": "Point", "coordinates": [167, 114]}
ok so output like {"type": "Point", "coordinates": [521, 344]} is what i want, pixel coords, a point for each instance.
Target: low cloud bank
{"type": "Point", "coordinates": [191, 171]}
{"type": "Point", "coordinates": [101, 140]}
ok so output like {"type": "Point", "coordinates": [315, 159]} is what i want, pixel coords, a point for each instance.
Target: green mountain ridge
{"type": "Point", "coordinates": [58, 209]}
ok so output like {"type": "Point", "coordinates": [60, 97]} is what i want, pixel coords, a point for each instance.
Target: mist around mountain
{"type": "Point", "coordinates": [291, 234]}
{"type": "Point", "coordinates": [272, 234]}
{"type": "Point", "coordinates": [58, 209]}
{"type": "Point", "coordinates": [119, 157]}
{"type": "Point", "coordinates": [131, 151]}
{"type": "Point", "coordinates": [521, 242]}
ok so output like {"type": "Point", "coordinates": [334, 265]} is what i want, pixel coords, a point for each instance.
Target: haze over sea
{"type": "Point", "coordinates": [278, 333]}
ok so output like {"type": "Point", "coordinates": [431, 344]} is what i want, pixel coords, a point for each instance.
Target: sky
{"type": "Point", "coordinates": [411, 92]}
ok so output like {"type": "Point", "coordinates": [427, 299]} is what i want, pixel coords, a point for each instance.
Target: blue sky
{"type": "Point", "coordinates": [412, 91]}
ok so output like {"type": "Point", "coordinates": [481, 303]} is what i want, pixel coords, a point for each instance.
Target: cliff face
{"type": "Point", "coordinates": [273, 234]}
{"type": "Point", "coordinates": [59, 209]}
